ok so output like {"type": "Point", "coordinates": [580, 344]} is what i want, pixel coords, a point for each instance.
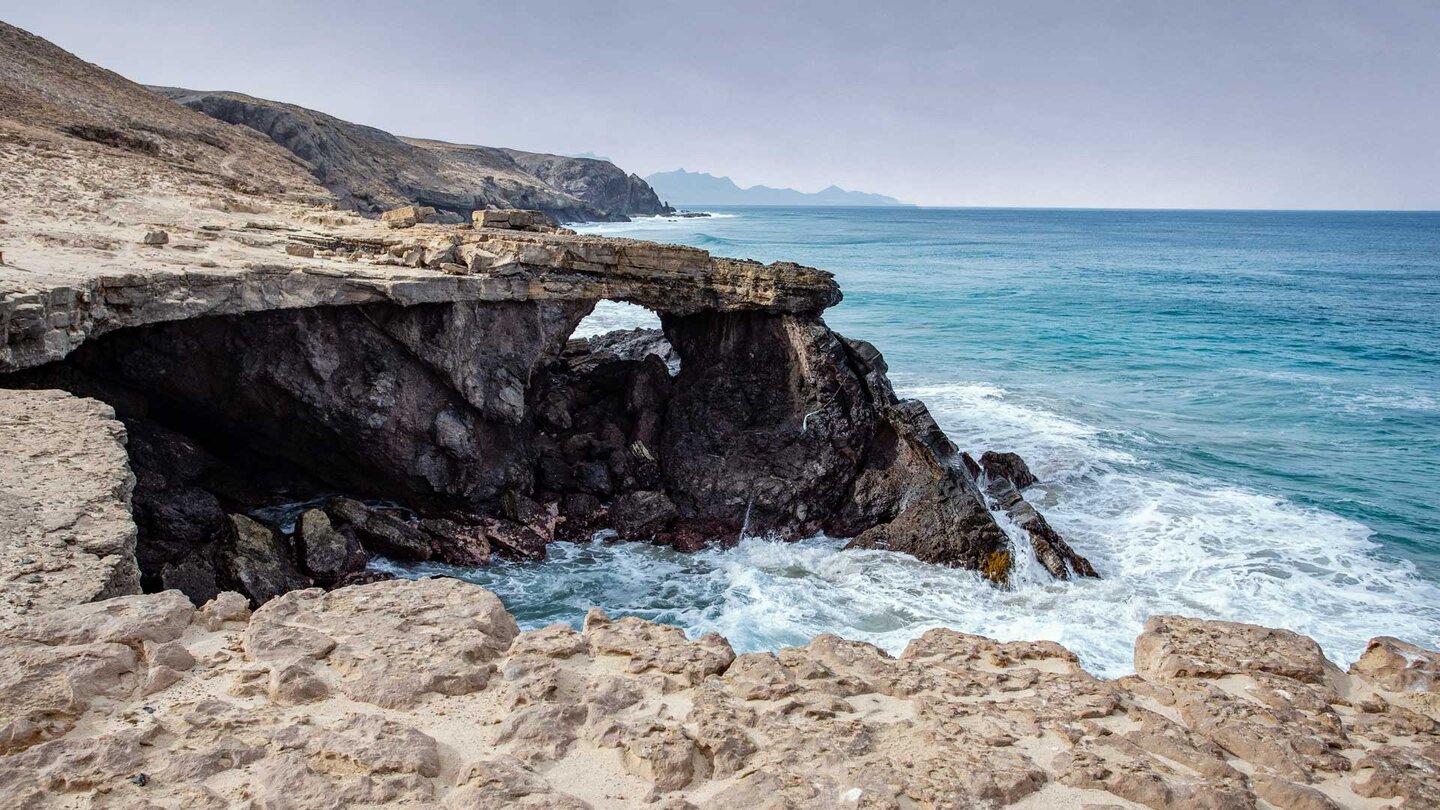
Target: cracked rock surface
{"type": "Point", "coordinates": [426, 694]}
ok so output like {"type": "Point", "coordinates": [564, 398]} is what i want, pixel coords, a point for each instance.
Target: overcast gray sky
{"type": "Point", "coordinates": [1210, 104]}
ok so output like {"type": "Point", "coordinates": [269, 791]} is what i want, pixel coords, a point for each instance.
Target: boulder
{"type": "Point", "coordinates": [407, 216]}
{"type": "Point", "coordinates": [380, 532]}
{"type": "Point", "coordinates": [1398, 666]}
{"type": "Point", "coordinates": [642, 515]}
{"type": "Point", "coordinates": [1009, 466]}
{"type": "Point", "coordinates": [1049, 548]}
{"type": "Point", "coordinates": [514, 219]}
{"type": "Point", "coordinates": [257, 561]}
{"type": "Point", "coordinates": [1173, 647]}
{"type": "Point", "coordinates": [327, 553]}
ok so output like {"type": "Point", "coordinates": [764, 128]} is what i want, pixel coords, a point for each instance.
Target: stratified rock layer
{"type": "Point", "coordinates": [425, 693]}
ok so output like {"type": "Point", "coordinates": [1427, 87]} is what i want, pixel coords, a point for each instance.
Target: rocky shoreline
{"type": "Point", "coordinates": [221, 392]}
{"type": "Point", "coordinates": [426, 694]}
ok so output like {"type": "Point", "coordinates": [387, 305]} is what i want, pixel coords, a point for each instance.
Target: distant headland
{"type": "Point", "coordinates": [699, 188]}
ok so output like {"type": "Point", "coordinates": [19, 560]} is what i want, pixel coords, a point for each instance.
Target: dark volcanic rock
{"type": "Point", "coordinates": [642, 515]}
{"type": "Point", "coordinates": [913, 493]}
{"type": "Point", "coordinates": [523, 529]}
{"type": "Point", "coordinates": [426, 404]}
{"type": "Point", "coordinates": [328, 553]}
{"type": "Point", "coordinates": [176, 516]}
{"type": "Point", "coordinates": [1009, 466]}
{"type": "Point", "coordinates": [1050, 548]}
{"type": "Point", "coordinates": [256, 561]}
{"type": "Point", "coordinates": [379, 532]}
{"type": "Point", "coordinates": [767, 424]}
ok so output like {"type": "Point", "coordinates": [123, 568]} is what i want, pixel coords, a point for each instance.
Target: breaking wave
{"type": "Point", "coordinates": [1163, 544]}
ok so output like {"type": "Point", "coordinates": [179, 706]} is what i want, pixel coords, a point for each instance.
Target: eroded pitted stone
{"type": "Point", "coordinates": [388, 643]}
{"type": "Point", "coordinates": [627, 712]}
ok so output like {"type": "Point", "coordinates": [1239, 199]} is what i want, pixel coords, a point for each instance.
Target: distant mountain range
{"type": "Point", "coordinates": [698, 188]}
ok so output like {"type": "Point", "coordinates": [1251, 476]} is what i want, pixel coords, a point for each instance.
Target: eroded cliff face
{"type": "Point", "coordinates": [371, 170]}
{"type": "Point", "coordinates": [425, 403]}
{"type": "Point", "coordinates": [304, 388]}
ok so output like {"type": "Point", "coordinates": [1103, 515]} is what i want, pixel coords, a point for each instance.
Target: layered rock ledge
{"type": "Point", "coordinates": [308, 356]}
{"type": "Point", "coordinates": [426, 694]}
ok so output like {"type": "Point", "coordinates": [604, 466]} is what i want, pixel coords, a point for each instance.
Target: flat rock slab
{"type": "Point", "coordinates": [66, 536]}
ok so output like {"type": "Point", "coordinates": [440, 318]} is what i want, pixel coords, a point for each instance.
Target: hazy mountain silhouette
{"type": "Point", "coordinates": [698, 188]}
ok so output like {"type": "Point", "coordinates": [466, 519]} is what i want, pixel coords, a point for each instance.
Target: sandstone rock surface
{"type": "Point", "coordinates": [424, 693]}
{"type": "Point", "coordinates": [66, 536]}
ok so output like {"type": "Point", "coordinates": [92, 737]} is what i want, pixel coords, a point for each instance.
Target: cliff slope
{"type": "Point", "coordinates": [372, 170]}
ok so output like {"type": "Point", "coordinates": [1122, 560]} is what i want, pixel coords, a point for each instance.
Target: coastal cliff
{"type": "Point", "coordinates": [371, 170]}
{"type": "Point", "coordinates": [278, 363]}
{"type": "Point", "coordinates": [222, 387]}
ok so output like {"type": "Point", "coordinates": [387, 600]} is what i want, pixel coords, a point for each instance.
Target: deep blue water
{"type": "Point", "coordinates": [1235, 414]}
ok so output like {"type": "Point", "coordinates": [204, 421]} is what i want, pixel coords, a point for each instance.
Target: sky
{"type": "Point", "coordinates": [1109, 104]}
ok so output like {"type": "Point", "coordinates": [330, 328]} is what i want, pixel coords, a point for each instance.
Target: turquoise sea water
{"type": "Point", "coordinates": [1234, 414]}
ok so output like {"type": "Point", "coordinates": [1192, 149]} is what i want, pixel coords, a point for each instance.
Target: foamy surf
{"type": "Point", "coordinates": [658, 222]}
{"type": "Point", "coordinates": [1163, 544]}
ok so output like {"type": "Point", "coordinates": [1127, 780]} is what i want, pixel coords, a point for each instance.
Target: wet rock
{"type": "Point", "coordinates": [524, 529]}
{"type": "Point", "coordinates": [1009, 466]}
{"type": "Point", "coordinates": [380, 532]}
{"type": "Point", "coordinates": [767, 424]}
{"type": "Point", "coordinates": [328, 554]}
{"type": "Point", "coordinates": [458, 543]}
{"type": "Point", "coordinates": [642, 515]}
{"type": "Point", "coordinates": [1049, 547]}
{"type": "Point", "coordinates": [258, 561]}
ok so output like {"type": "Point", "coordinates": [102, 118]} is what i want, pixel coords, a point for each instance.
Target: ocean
{"type": "Point", "coordinates": [1234, 415]}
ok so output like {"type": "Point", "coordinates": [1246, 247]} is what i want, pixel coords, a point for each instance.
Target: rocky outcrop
{"type": "Point", "coordinates": [600, 183]}
{"type": "Point", "coordinates": [426, 692]}
{"type": "Point", "coordinates": [443, 388]}
{"type": "Point", "coordinates": [271, 353]}
{"type": "Point", "coordinates": [371, 170]}
{"type": "Point", "coordinates": [65, 531]}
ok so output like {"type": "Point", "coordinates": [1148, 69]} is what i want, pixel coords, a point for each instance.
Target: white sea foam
{"type": "Point", "coordinates": [658, 222]}
{"type": "Point", "coordinates": [1163, 542]}
{"type": "Point", "coordinates": [611, 315]}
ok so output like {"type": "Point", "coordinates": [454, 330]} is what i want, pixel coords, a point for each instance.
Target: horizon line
{"type": "Point", "coordinates": [1082, 208]}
